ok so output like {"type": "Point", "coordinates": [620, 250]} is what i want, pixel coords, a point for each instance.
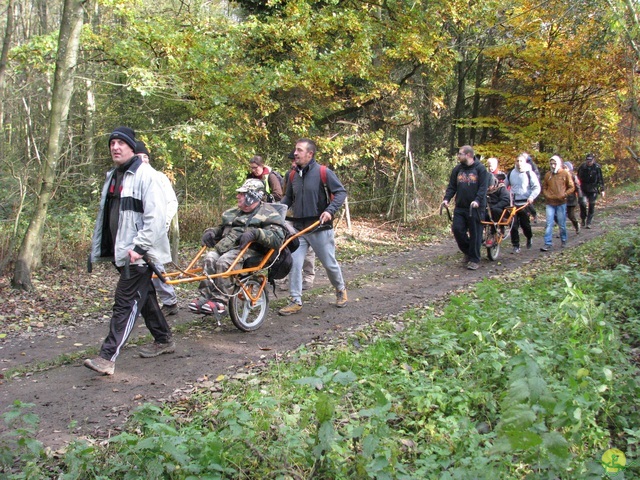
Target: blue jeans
{"type": "Point", "coordinates": [166, 293]}
{"type": "Point", "coordinates": [323, 243]}
{"type": "Point", "coordinates": [558, 212]}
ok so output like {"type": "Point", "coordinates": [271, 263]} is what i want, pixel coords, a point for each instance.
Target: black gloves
{"type": "Point", "coordinates": [249, 236]}
{"type": "Point", "coordinates": [209, 237]}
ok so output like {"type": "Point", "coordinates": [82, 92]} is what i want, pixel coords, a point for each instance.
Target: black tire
{"type": "Point", "coordinates": [493, 251]}
{"type": "Point", "coordinates": [247, 317]}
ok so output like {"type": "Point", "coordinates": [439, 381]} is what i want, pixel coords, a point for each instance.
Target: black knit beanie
{"type": "Point", "coordinates": [141, 148]}
{"type": "Point", "coordinates": [126, 134]}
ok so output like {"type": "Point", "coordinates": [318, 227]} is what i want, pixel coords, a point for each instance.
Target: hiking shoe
{"type": "Point", "coordinates": [588, 225]}
{"type": "Point", "coordinates": [341, 298]}
{"type": "Point", "coordinates": [529, 243]}
{"type": "Point", "coordinates": [306, 285]}
{"type": "Point", "coordinates": [563, 244]}
{"type": "Point", "coordinates": [293, 307]}
{"type": "Point", "coordinates": [472, 266]}
{"type": "Point", "coordinates": [156, 349]}
{"type": "Point", "coordinates": [465, 259]}
{"type": "Point", "coordinates": [584, 223]}
{"type": "Point", "coordinates": [100, 365]}
{"type": "Point", "coordinates": [196, 305]}
{"type": "Point", "coordinates": [545, 248]}
{"type": "Point", "coordinates": [578, 229]}
{"type": "Point", "coordinates": [516, 250]}
{"type": "Point", "coordinates": [213, 306]}
{"type": "Point", "coordinates": [168, 310]}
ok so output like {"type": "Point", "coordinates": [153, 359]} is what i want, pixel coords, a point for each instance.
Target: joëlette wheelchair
{"type": "Point", "coordinates": [498, 230]}
{"type": "Point", "coordinates": [249, 303]}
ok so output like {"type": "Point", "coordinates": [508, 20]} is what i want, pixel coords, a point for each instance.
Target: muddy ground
{"type": "Point", "coordinates": [73, 401]}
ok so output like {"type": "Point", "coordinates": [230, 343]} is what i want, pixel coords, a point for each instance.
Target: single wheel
{"type": "Point", "coordinates": [493, 251]}
{"type": "Point", "coordinates": [244, 315]}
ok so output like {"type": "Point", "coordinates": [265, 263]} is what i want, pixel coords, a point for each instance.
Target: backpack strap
{"type": "Point", "coordinates": [292, 174]}
{"type": "Point", "coordinates": [265, 180]}
{"type": "Point", "coordinates": [323, 179]}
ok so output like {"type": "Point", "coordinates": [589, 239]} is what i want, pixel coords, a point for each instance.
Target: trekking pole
{"type": "Point", "coordinates": [154, 269]}
{"type": "Point", "coordinates": [150, 264]}
{"type": "Point", "coordinates": [442, 205]}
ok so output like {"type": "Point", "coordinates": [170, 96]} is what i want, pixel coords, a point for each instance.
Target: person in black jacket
{"type": "Point", "coordinates": [310, 199]}
{"type": "Point", "coordinates": [592, 183]}
{"type": "Point", "coordinates": [468, 182]}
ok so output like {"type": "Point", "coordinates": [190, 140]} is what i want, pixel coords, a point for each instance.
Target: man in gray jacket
{"type": "Point", "coordinates": [311, 198]}
{"type": "Point", "coordinates": [130, 231]}
{"type": "Point", "coordinates": [525, 187]}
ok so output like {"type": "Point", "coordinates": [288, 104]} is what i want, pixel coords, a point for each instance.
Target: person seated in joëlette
{"type": "Point", "coordinates": [498, 198]}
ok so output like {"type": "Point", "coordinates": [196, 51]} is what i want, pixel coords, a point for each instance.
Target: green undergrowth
{"type": "Point", "coordinates": [525, 378]}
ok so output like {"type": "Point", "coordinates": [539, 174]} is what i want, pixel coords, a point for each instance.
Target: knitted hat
{"type": "Point", "coordinates": [569, 166]}
{"type": "Point", "coordinates": [126, 134]}
{"type": "Point", "coordinates": [141, 148]}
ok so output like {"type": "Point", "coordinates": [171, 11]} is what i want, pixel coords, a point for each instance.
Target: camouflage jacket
{"type": "Point", "coordinates": [265, 220]}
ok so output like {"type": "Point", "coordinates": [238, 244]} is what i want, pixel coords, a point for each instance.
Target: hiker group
{"type": "Point", "coordinates": [138, 206]}
{"type": "Point", "coordinates": [478, 189]}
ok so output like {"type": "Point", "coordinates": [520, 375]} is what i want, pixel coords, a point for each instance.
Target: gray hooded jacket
{"type": "Point", "coordinates": [142, 220]}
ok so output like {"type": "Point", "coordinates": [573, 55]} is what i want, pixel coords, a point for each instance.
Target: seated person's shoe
{"type": "Point", "coordinates": [213, 306]}
{"type": "Point", "coordinates": [196, 305]}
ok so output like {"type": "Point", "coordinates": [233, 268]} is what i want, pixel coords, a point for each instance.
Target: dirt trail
{"type": "Point", "coordinates": [73, 401]}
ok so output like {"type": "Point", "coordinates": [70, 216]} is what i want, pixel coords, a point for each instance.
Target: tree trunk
{"type": "Point", "coordinates": [6, 45]}
{"type": "Point", "coordinates": [457, 132]}
{"type": "Point", "coordinates": [29, 255]}
{"type": "Point", "coordinates": [475, 109]}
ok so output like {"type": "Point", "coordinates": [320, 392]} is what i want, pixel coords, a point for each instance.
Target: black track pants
{"type": "Point", "coordinates": [134, 296]}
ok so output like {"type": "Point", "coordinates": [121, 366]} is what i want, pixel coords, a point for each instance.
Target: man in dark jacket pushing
{"type": "Point", "coordinates": [468, 182]}
{"type": "Point", "coordinates": [312, 199]}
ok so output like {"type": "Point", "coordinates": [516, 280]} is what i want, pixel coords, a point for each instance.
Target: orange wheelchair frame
{"type": "Point", "coordinates": [497, 231]}
{"type": "Point", "coordinates": [249, 303]}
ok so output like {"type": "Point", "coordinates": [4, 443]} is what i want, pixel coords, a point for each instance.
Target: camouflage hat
{"type": "Point", "coordinates": [250, 185]}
